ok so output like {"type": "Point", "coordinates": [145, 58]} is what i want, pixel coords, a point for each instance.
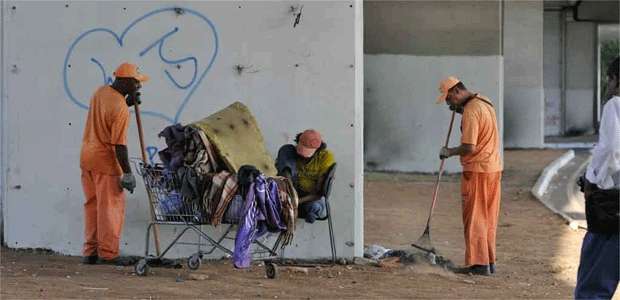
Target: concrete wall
{"type": "Point", "coordinates": [294, 78]}
{"type": "Point", "coordinates": [552, 52]}
{"type": "Point", "coordinates": [410, 46]}
{"type": "Point", "coordinates": [523, 74]}
{"type": "Point", "coordinates": [580, 76]}
{"type": "Point", "coordinates": [404, 127]}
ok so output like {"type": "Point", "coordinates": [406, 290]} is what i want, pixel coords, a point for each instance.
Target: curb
{"type": "Point", "coordinates": [572, 197]}
{"type": "Point", "coordinates": [542, 184]}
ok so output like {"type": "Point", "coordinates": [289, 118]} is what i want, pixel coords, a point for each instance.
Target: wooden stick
{"type": "Point", "coordinates": [424, 242]}
{"type": "Point", "coordinates": [441, 166]}
{"type": "Point", "coordinates": [144, 160]}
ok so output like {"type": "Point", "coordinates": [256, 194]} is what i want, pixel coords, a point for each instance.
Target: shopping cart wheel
{"type": "Point", "coordinates": [271, 270]}
{"type": "Point", "coordinates": [194, 261]}
{"type": "Point", "coordinates": [142, 268]}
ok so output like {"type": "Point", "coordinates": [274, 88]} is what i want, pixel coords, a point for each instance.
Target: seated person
{"type": "Point", "coordinates": [306, 164]}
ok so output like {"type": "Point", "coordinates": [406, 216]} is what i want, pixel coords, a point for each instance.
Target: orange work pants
{"type": "Point", "coordinates": [481, 196]}
{"type": "Point", "coordinates": [104, 214]}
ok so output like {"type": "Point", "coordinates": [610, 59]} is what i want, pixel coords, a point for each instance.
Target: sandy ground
{"type": "Point", "coordinates": [538, 254]}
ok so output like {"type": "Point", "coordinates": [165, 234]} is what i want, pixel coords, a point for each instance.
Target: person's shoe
{"type": "Point", "coordinates": [492, 268]}
{"type": "Point", "coordinates": [118, 261]}
{"type": "Point", "coordinates": [482, 270]}
{"type": "Point", "coordinates": [90, 260]}
{"type": "Point", "coordinates": [310, 218]}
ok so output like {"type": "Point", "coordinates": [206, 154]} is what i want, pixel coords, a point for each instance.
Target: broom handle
{"type": "Point", "coordinates": [150, 196]}
{"type": "Point", "coordinates": [441, 166]}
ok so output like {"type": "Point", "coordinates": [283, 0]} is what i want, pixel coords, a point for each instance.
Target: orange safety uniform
{"type": "Point", "coordinates": [104, 209]}
{"type": "Point", "coordinates": [481, 181]}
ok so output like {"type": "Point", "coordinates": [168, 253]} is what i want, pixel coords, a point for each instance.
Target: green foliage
{"type": "Point", "coordinates": [609, 50]}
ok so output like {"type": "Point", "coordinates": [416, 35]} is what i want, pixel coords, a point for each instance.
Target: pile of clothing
{"type": "Point", "coordinates": [224, 185]}
{"type": "Point", "coordinates": [198, 176]}
{"type": "Point", "coordinates": [267, 206]}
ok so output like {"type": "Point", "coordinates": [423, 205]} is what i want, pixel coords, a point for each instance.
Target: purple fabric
{"type": "Point", "coordinates": [261, 213]}
{"type": "Point", "coordinates": [274, 209]}
{"type": "Point", "coordinates": [246, 231]}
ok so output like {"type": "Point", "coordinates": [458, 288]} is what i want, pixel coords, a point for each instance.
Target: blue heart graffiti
{"type": "Point", "coordinates": [190, 86]}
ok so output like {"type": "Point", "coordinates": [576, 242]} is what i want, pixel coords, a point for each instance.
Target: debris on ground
{"type": "Point", "coordinates": [469, 281]}
{"type": "Point", "coordinates": [415, 256]}
{"type": "Point", "coordinates": [375, 251]}
{"type": "Point", "coordinates": [390, 262]}
{"type": "Point", "coordinates": [301, 270]}
{"type": "Point", "coordinates": [179, 278]}
{"type": "Point", "coordinates": [197, 277]}
{"type": "Point", "coordinates": [389, 258]}
{"type": "Point", "coordinates": [164, 263]}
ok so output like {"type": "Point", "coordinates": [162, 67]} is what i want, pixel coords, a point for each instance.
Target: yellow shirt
{"type": "Point", "coordinates": [309, 174]}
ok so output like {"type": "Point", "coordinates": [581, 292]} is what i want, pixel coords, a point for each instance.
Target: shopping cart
{"type": "Point", "coordinates": [171, 208]}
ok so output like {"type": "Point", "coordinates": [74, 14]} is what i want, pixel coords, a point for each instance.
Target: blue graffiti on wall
{"type": "Point", "coordinates": [189, 86]}
{"type": "Point", "coordinates": [151, 151]}
{"type": "Point", "coordinates": [160, 42]}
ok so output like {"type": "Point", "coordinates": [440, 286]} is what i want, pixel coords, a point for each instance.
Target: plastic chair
{"type": "Point", "coordinates": [327, 190]}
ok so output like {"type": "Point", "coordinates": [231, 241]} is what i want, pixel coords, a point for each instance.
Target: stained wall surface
{"type": "Point", "coordinates": [201, 56]}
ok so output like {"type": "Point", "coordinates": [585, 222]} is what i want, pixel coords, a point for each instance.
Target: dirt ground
{"type": "Point", "coordinates": [538, 254]}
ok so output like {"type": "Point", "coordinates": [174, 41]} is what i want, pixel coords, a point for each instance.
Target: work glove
{"type": "Point", "coordinates": [444, 153]}
{"type": "Point", "coordinates": [128, 182]}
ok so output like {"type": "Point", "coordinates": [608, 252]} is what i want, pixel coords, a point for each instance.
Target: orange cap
{"type": "Point", "coordinates": [444, 86]}
{"type": "Point", "coordinates": [309, 141]}
{"type": "Point", "coordinates": [127, 70]}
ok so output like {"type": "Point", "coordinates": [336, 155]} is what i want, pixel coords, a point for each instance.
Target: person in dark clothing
{"type": "Point", "coordinates": [306, 164]}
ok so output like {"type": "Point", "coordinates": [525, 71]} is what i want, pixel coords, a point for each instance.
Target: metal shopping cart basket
{"type": "Point", "coordinates": [171, 208]}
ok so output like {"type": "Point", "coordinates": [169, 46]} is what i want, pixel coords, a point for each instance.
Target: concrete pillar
{"type": "Point", "coordinates": [552, 49]}
{"type": "Point", "coordinates": [523, 74]}
{"type": "Point", "coordinates": [580, 77]}
{"type": "Point", "coordinates": [3, 126]}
